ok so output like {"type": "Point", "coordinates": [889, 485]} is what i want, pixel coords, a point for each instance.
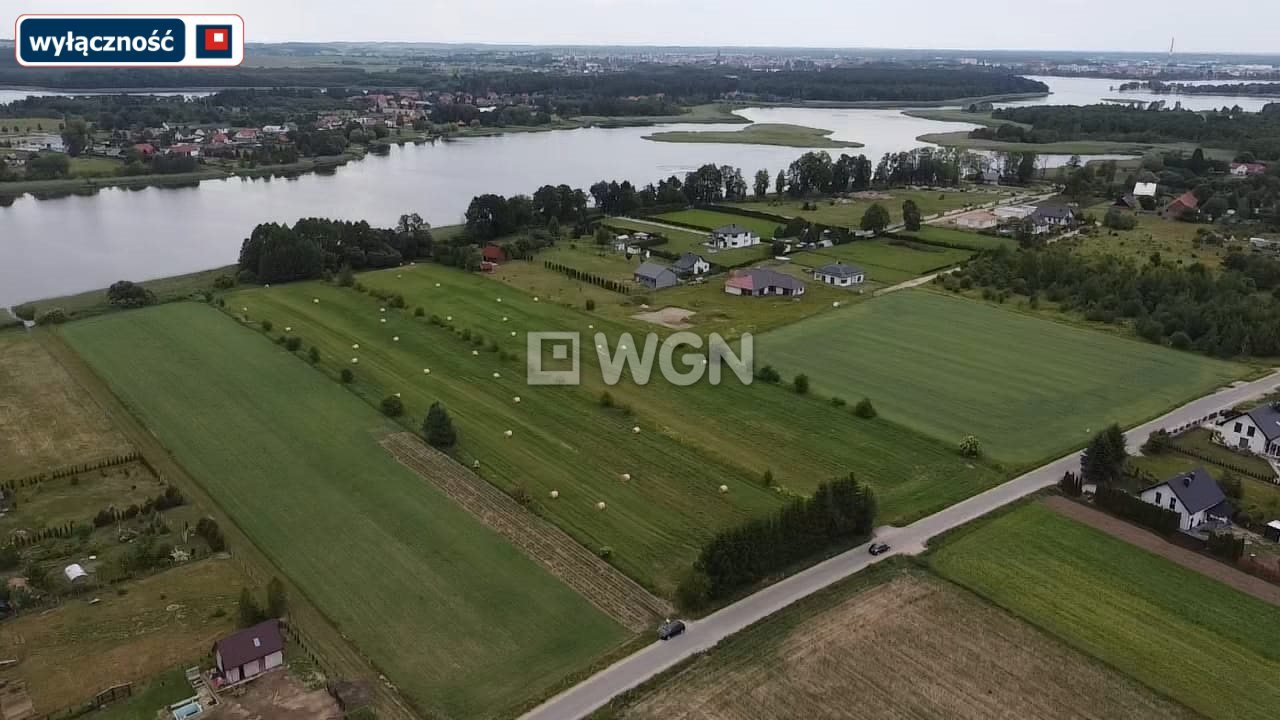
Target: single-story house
{"type": "Point", "coordinates": [185, 149]}
{"type": "Point", "coordinates": [762, 281]}
{"type": "Point", "coordinates": [690, 264]}
{"type": "Point", "coordinates": [1257, 431]}
{"type": "Point", "coordinates": [655, 276]}
{"type": "Point", "coordinates": [1194, 496]}
{"type": "Point", "coordinates": [978, 220]}
{"type": "Point", "coordinates": [733, 236]}
{"type": "Point", "coordinates": [1145, 189]}
{"type": "Point", "coordinates": [840, 275]}
{"type": "Point", "coordinates": [493, 254]}
{"type": "Point", "coordinates": [250, 652]}
{"type": "Point", "coordinates": [1180, 206]}
{"type": "Point", "coordinates": [246, 135]}
{"type": "Point", "coordinates": [1054, 216]}
{"type": "Point", "coordinates": [1247, 169]}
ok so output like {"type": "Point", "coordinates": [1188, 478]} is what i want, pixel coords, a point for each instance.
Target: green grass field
{"type": "Point", "coordinates": [21, 126]}
{"type": "Point", "coordinates": [848, 212]}
{"type": "Point", "coordinates": [962, 238]}
{"type": "Point", "coordinates": [1029, 389]}
{"type": "Point", "coordinates": [428, 593]}
{"type": "Point", "coordinates": [711, 219]}
{"type": "Point", "coordinates": [758, 134]}
{"type": "Point", "coordinates": [887, 261]}
{"type": "Point", "coordinates": [1174, 241]}
{"type": "Point", "coordinates": [677, 240]}
{"type": "Point", "coordinates": [1187, 636]}
{"type": "Point", "coordinates": [692, 439]}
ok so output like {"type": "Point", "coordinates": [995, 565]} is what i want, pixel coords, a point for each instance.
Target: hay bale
{"type": "Point", "coordinates": [554, 494]}
{"type": "Point", "coordinates": [288, 329]}
{"type": "Point", "coordinates": [355, 361]}
{"type": "Point", "coordinates": [724, 488]}
{"type": "Point", "coordinates": [476, 464]}
{"type": "Point", "coordinates": [626, 477]}
{"type": "Point", "coordinates": [600, 505]}
{"type": "Point", "coordinates": [426, 371]}
{"type": "Point", "coordinates": [513, 333]}
{"type": "Point", "coordinates": [516, 399]}
{"type": "Point", "coordinates": [499, 299]}
{"type": "Point", "coordinates": [475, 352]}
{"type": "Point", "coordinates": [506, 433]}
{"type": "Point", "coordinates": [835, 304]}
{"type": "Point", "coordinates": [395, 338]}
{"type": "Point", "coordinates": [535, 298]}
{"type": "Point", "coordinates": [383, 319]}
{"type": "Point", "coordinates": [449, 318]}
{"type": "Point", "coordinates": [382, 309]}
{"type": "Point", "coordinates": [315, 300]}
{"type": "Point", "coordinates": [504, 318]}
{"type": "Point", "coordinates": [497, 375]}
{"type": "Point", "coordinates": [355, 346]}
{"type": "Point", "coordinates": [636, 429]}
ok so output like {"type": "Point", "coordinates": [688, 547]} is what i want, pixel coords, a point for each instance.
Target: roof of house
{"type": "Point", "coordinates": [651, 270]}
{"type": "Point", "coordinates": [493, 251]}
{"type": "Point", "coordinates": [734, 229]}
{"type": "Point", "coordinates": [250, 644]}
{"type": "Point", "coordinates": [1196, 490]}
{"type": "Point", "coordinates": [840, 270]}
{"type": "Point", "coordinates": [1267, 418]}
{"type": "Point", "coordinates": [1145, 189]}
{"type": "Point", "coordinates": [1054, 211]}
{"type": "Point", "coordinates": [687, 261]}
{"type": "Point", "coordinates": [1274, 524]}
{"type": "Point", "coordinates": [1186, 200]}
{"type": "Point", "coordinates": [760, 278]}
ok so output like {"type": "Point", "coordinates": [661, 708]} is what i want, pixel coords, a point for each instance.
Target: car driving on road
{"type": "Point", "coordinates": [878, 548]}
{"type": "Point", "coordinates": [670, 629]}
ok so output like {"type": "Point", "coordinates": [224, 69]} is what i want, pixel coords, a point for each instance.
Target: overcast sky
{"type": "Point", "coordinates": [1240, 26]}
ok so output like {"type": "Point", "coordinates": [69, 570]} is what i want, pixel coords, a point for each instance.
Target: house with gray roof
{"type": "Point", "coordinates": [691, 264]}
{"type": "Point", "coordinates": [1256, 431]}
{"type": "Point", "coordinates": [732, 236]}
{"type": "Point", "coordinates": [655, 276]}
{"type": "Point", "coordinates": [840, 275]}
{"type": "Point", "coordinates": [758, 282]}
{"type": "Point", "coordinates": [1054, 216]}
{"type": "Point", "coordinates": [1194, 495]}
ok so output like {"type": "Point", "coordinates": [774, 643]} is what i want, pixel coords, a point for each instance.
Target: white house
{"type": "Point", "coordinates": [1194, 496]}
{"type": "Point", "coordinates": [1013, 212]}
{"type": "Point", "coordinates": [733, 236]}
{"type": "Point", "coordinates": [250, 652]}
{"type": "Point", "coordinates": [1257, 431]}
{"type": "Point", "coordinates": [840, 275]}
{"type": "Point", "coordinates": [690, 264]}
{"type": "Point", "coordinates": [1144, 189]}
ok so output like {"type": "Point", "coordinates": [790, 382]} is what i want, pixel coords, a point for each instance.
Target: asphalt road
{"type": "Point", "coordinates": [594, 692]}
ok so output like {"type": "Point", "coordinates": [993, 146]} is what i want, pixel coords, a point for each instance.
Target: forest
{"type": "Point", "coordinates": [253, 108]}
{"type": "Point", "coordinates": [1175, 88]}
{"type": "Point", "coordinates": [1256, 133]}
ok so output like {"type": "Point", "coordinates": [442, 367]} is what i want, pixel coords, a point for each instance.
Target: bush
{"type": "Point", "coordinates": [767, 478]}
{"type": "Point", "coordinates": [267, 325]}
{"type": "Point", "coordinates": [346, 278]}
{"type": "Point", "coordinates": [52, 316]}
{"type": "Point", "coordinates": [838, 401]}
{"type": "Point", "coordinates": [591, 304]}
{"type": "Point", "coordinates": [606, 400]}
{"type": "Point", "coordinates": [25, 311]}
{"type": "Point", "coordinates": [801, 384]}
{"type": "Point", "coordinates": [419, 312]}
{"type": "Point", "coordinates": [438, 428]}
{"type": "Point", "coordinates": [347, 376]}
{"type": "Point", "coordinates": [392, 406]}
{"type": "Point", "coordinates": [224, 282]}
{"type": "Point", "coordinates": [130, 295]}
{"type": "Point", "coordinates": [313, 354]}
{"type": "Point", "coordinates": [293, 343]}
{"type": "Point", "coordinates": [970, 446]}
{"type": "Point", "coordinates": [768, 374]}
{"type": "Point", "coordinates": [864, 409]}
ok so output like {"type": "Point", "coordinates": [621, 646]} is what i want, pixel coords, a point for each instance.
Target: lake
{"type": "Point", "coordinates": [66, 245]}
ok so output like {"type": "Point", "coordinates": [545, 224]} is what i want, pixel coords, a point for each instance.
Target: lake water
{"type": "Point", "coordinates": [66, 245]}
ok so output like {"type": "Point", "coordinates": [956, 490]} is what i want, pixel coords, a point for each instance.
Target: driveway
{"type": "Point", "coordinates": [599, 689]}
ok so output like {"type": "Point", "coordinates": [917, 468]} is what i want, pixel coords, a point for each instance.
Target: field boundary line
{"type": "Point", "coordinates": [600, 583]}
{"type": "Point", "coordinates": [341, 658]}
{"type": "Point", "coordinates": [1144, 539]}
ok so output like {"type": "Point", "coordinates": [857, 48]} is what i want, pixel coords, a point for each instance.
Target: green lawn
{"type": "Point", "coordinates": [1192, 638]}
{"type": "Point", "coordinates": [677, 240]}
{"type": "Point", "coordinates": [156, 694]}
{"type": "Point", "coordinates": [962, 238]}
{"type": "Point", "coordinates": [428, 593]}
{"type": "Point", "coordinates": [93, 167]}
{"type": "Point", "coordinates": [1029, 389]}
{"type": "Point", "coordinates": [711, 219]}
{"type": "Point", "coordinates": [847, 212]}
{"type": "Point", "coordinates": [94, 302]}
{"type": "Point", "coordinates": [18, 126]}
{"type": "Point", "coordinates": [879, 256]}
{"type": "Point", "coordinates": [759, 134]}
{"type": "Point", "coordinates": [1175, 242]}
{"type": "Point", "coordinates": [1260, 499]}
{"type": "Point", "coordinates": [693, 439]}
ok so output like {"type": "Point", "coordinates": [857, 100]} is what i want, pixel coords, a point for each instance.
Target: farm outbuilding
{"type": "Point", "coordinates": [250, 652]}
{"type": "Point", "coordinates": [75, 574]}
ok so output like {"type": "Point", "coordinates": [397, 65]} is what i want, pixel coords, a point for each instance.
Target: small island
{"type": "Point", "coordinates": [759, 134]}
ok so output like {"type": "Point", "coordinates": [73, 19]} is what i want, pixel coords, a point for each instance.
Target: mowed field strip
{"type": "Point", "coordinates": [45, 424]}
{"type": "Point", "coordinates": [1188, 636]}
{"type": "Point", "coordinates": [615, 594]}
{"type": "Point", "coordinates": [898, 645]}
{"type": "Point", "coordinates": [433, 597]}
{"type": "Point", "coordinates": [1029, 389]}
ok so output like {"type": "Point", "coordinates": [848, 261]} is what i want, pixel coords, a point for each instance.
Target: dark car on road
{"type": "Point", "coordinates": [878, 548]}
{"type": "Point", "coordinates": [670, 629]}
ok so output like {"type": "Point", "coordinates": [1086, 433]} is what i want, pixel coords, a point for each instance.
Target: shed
{"type": "Point", "coordinates": [1272, 530]}
{"type": "Point", "coordinates": [75, 573]}
{"type": "Point", "coordinates": [653, 275]}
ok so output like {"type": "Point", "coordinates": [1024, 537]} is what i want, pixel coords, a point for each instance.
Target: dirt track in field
{"type": "Point", "coordinates": [1153, 543]}
{"type": "Point", "coordinates": [603, 585]}
{"type": "Point", "coordinates": [915, 647]}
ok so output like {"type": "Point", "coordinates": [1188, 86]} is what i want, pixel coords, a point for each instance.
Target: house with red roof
{"type": "Point", "coordinates": [493, 254]}
{"type": "Point", "coordinates": [1176, 210]}
{"type": "Point", "coordinates": [249, 653]}
{"type": "Point", "coordinates": [146, 149]}
{"type": "Point", "coordinates": [1247, 169]}
{"type": "Point", "coordinates": [246, 135]}
{"type": "Point", "coordinates": [758, 282]}
{"type": "Point", "coordinates": [185, 149]}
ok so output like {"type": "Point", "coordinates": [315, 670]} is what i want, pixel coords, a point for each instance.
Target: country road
{"type": "Point", "coordinates": [594, 692]}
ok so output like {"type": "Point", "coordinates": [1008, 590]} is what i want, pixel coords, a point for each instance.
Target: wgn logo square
{"type": "Point", "coordinates": [213, 41]}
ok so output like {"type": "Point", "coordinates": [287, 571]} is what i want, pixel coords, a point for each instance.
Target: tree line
{"type": "Point", "coordinates": [838, 513]}
{"type": "Point", "coordinates": [1227, 314]}
{"type": "Point", "coordinates": [275, 252]}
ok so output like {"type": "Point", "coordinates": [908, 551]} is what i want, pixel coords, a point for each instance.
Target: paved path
{"type": "Point", "coordinates": [917, 282]}
{"type": "Point", "coordinates": [599, 689]}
